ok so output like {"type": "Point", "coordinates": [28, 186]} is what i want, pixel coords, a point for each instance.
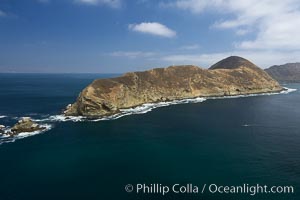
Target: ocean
{"type": "Point", "coordinates": [224, 142]}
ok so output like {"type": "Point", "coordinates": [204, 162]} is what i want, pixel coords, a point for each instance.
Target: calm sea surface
{"type": "Point", "coordinates": [253, 140]}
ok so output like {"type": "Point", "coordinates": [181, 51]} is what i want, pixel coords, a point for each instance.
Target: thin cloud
{"type": "Point", "coordinates": [2, 14]}
{"type": "Point", "coordinates": [153, 28]}
{"type": "Point", "coordinates": [43, 1]}
{"type": "Point", "coordinates": [276, 22]}
{"type": "Point", "coordinates": [242, 32]}
{"type": "Point", "coordinates": [110, 3]}
{"type": "Point", "coordinates": [263, 58]}
{"type": "Point", "coordinates": [132, 54]}
{"type": "Point", "coordinates": [190, 47]}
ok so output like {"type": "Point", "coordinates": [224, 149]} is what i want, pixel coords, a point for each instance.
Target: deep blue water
{"type": "Point", "coordinates": [201, 143]}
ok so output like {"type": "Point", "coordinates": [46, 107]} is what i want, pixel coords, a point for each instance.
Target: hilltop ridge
{"type": "Point", "coordinates": [233, 62]}
{"type": "Point", "coordinates": [231, 76]}
{"type": "Point", "coordinates": [288, 73]}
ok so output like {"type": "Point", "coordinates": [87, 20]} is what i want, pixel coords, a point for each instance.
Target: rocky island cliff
{"type": "Point", "coordinates": [287, 73]}
{"type": "Point", "coordinates": [231, 76]}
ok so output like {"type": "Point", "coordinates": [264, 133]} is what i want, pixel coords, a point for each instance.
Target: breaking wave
{"type": "Point", "coordinates": [285, 91]}
{"type": "Point", "coordinates": [5, 138]}
{"type": "Point", "coordinates": [288, 90]}
{"type": "Point", "coordinates": [147, 107]}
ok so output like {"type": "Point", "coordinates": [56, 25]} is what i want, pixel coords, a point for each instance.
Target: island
{"type": "Point", "coordinates": [231, 76]}
{"type": "Point", "coordinates": [287, 73]}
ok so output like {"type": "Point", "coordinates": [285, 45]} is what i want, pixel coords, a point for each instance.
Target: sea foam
{"type": "Point", "coordinates": [288, 90]}
{"type": "Point", "coordinates": [147, 107]}
{"type": "Point", "coordinates": [142, 109]}
{"type": "Point", "coordinates": [5, 138]}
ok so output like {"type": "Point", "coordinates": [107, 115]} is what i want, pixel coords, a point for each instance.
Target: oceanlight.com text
{"type": "Point", "coordinates": [160, 189]}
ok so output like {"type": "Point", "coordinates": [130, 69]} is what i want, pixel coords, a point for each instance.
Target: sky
{"type": "Point", "coordinates": [117, 36]}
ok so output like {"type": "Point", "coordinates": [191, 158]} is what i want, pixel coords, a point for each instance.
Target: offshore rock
{"type": "Point", "coordinates": [24, 125]}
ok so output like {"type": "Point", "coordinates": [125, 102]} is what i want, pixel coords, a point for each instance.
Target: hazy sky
{"type": "Point", "coordinates": [126, 35]}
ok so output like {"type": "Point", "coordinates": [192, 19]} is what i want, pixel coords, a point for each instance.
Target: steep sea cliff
{"type": "Point", "coordinates": [229, 77]}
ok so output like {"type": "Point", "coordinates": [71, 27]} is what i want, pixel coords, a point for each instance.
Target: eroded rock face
{"type": "Point", "coordinates": [231, 76]}
{"type": "Point", "coordinates": [24, 125]}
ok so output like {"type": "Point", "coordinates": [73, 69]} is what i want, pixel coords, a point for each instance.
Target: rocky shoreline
{"type": "Point", "coordinates": [229, 77]}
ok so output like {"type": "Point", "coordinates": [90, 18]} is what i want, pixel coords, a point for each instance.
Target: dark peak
{"type": "Point", "coordinates": [233, 62]}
